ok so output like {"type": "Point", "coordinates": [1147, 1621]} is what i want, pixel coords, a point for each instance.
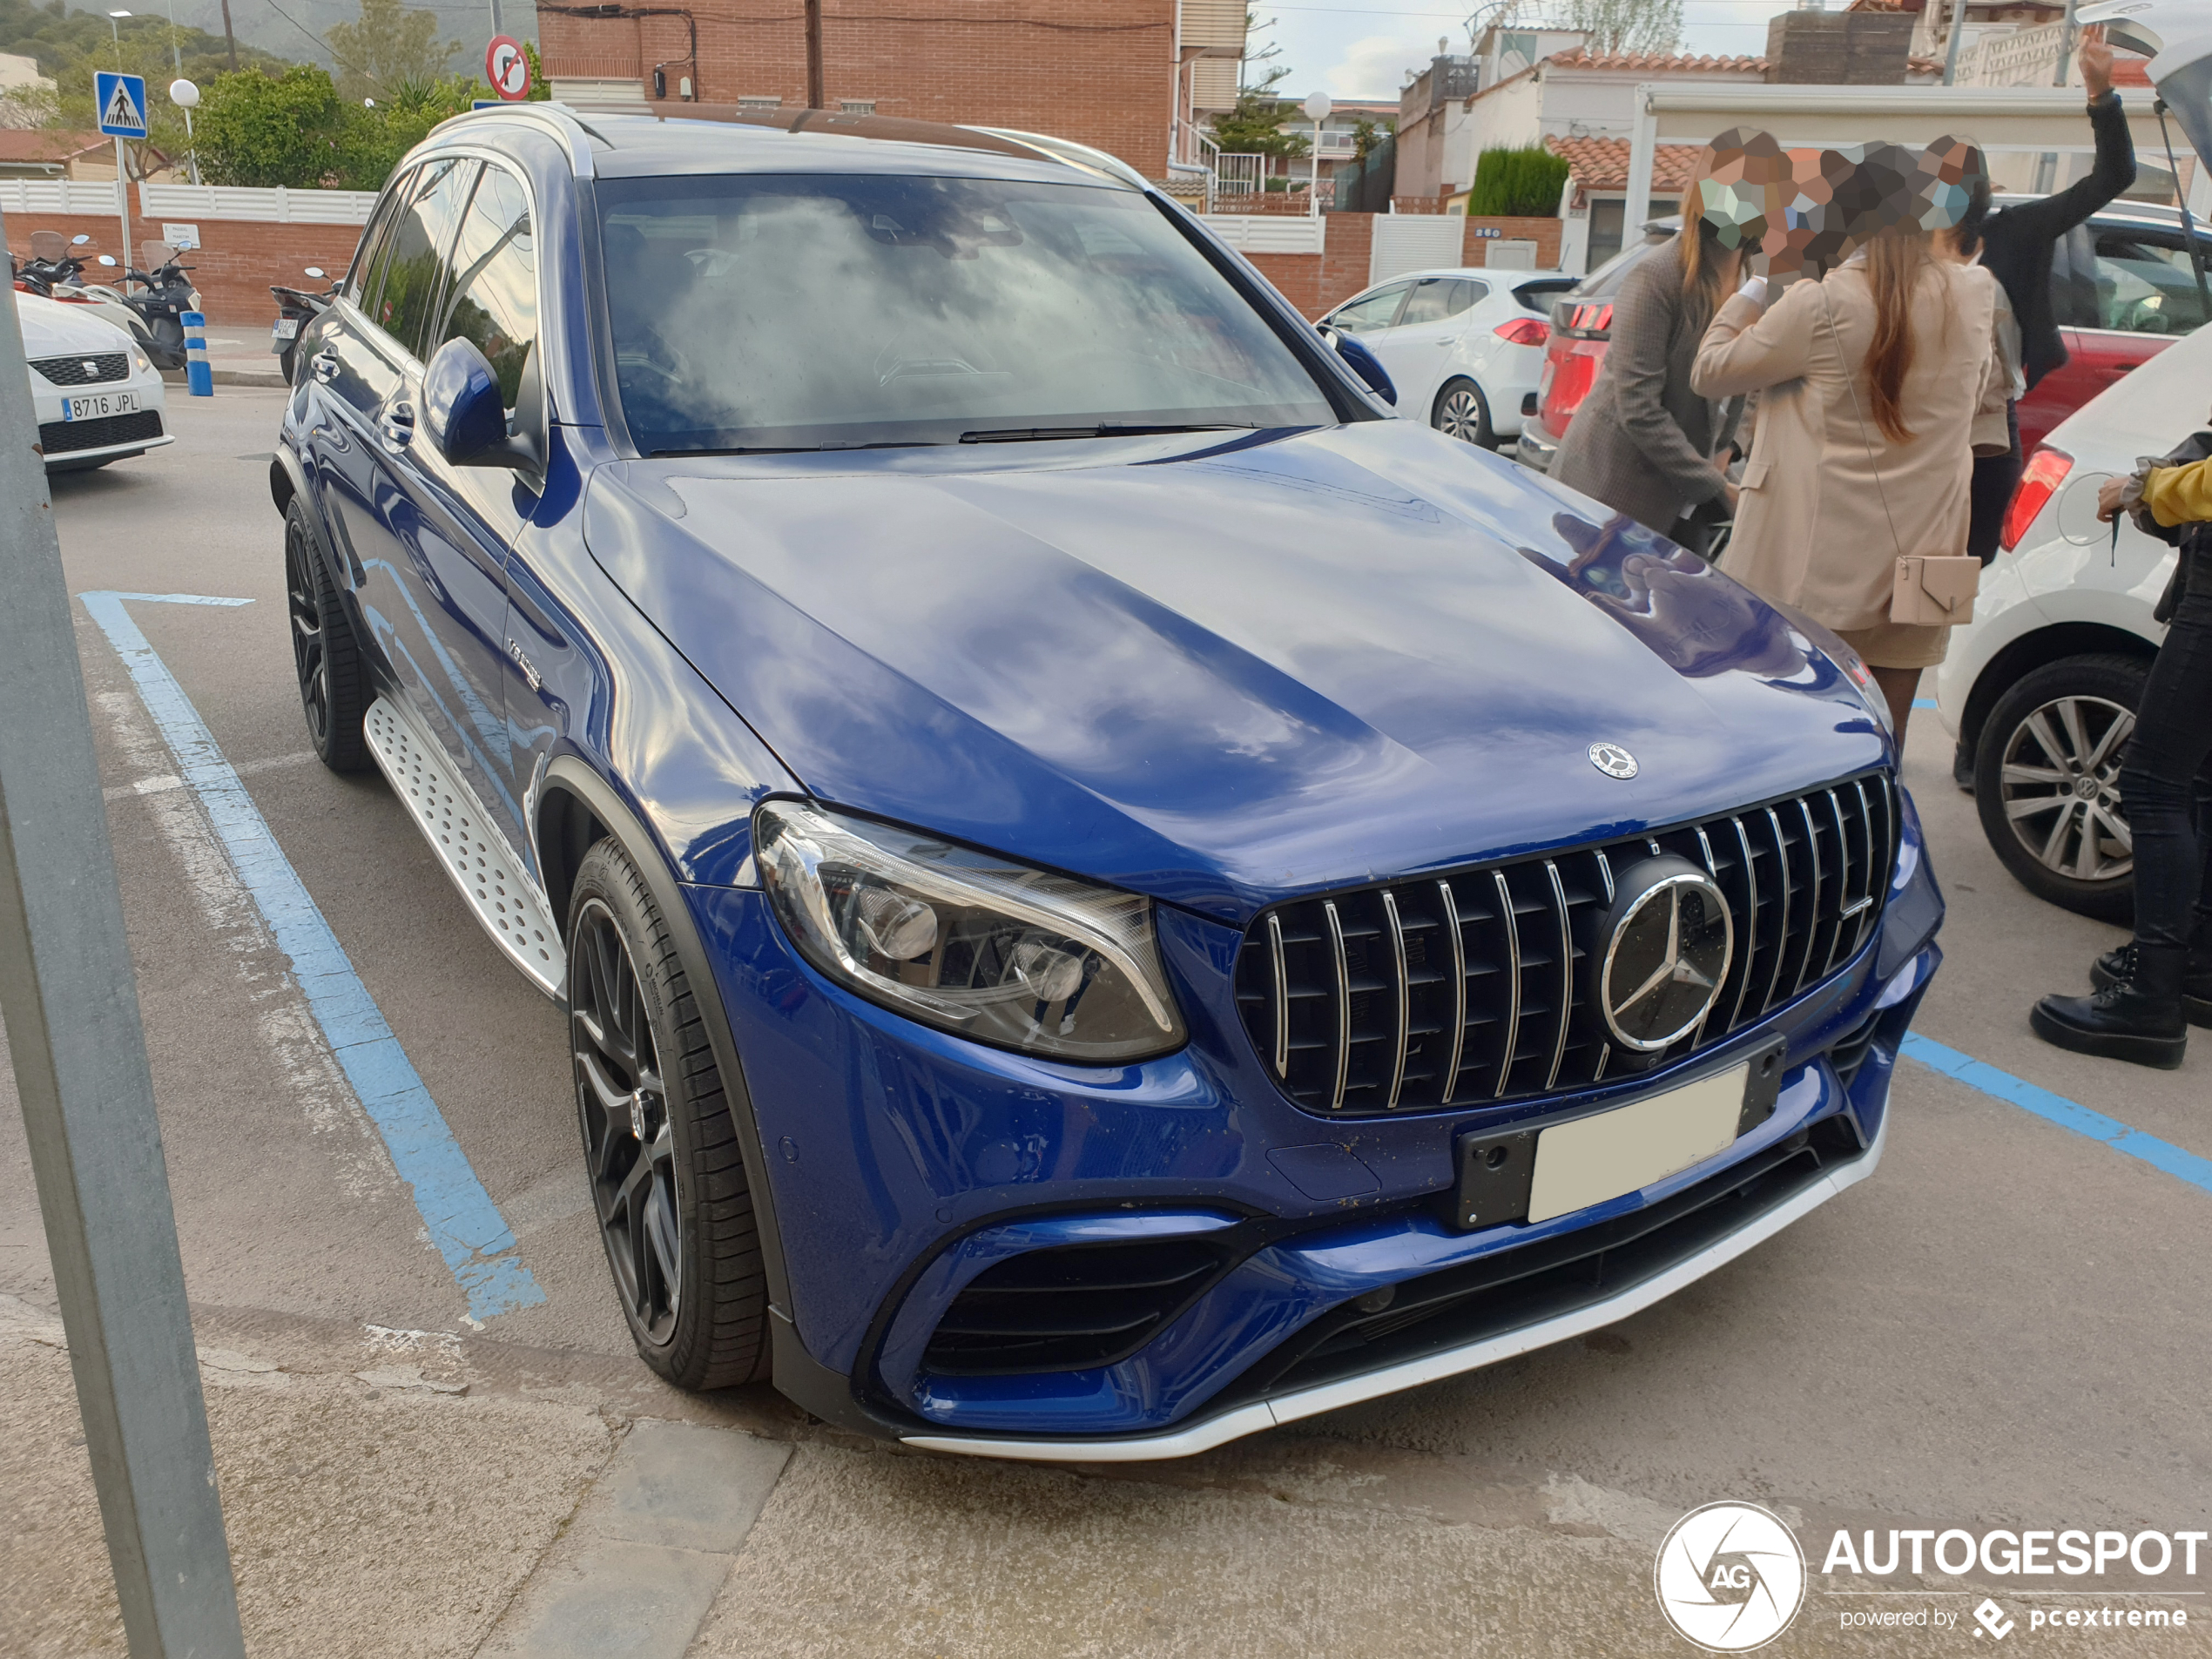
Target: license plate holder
{"type": "Point", "coordinates": [1494, 1171]}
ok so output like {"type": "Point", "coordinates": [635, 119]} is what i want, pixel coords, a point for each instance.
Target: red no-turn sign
{"type": "Point", "coordinates": [507, 66]}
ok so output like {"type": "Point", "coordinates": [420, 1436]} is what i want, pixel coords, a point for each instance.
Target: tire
{"type": "Point", "coordinates": [326, 656]}
{"type": "Point", "coordinates": [288, 360]}
{"type": "Point", "coordinates": [1462, 412]}
{"type": "Point", "coordinates": [2032, 748]}
{"type": "Point", "coordinates": [674, 1209]}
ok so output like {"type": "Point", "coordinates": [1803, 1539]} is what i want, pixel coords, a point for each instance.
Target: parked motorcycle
{"type": "Point", "coordinates": [296, 308]}
{"type": "Point", "coordinates": [54, 272]}
{"type": "Point", "coordinates": [160, 306]}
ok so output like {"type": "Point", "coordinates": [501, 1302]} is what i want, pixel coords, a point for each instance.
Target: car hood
{"type": "Point", "coordinates": [55, 328]}
{"type": "Point", "coordinates": [1222, 673]}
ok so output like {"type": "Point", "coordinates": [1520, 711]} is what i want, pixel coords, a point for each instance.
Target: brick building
{"type": "Point", "coordinates": [1128, 76]}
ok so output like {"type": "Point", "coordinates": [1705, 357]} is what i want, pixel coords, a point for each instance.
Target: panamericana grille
{"type": "Point", "coordinates": [1468, 988]}
{"type": "Point", "coordinates": [61, 437]}
{"type": "Point", "coordinates": [72, 371]}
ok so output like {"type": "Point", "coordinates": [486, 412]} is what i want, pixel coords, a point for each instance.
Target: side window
{"type": "Point", "coordinates": [495, 279]}
{"type": "Point", "coordinates": [422, 240]}
{"type": "Point", "coordinates": [1363, 316]}
{"type": "Point", "coordinates": [2145, 284]}
{"type": "Point", "coordinates": [2074, 280]}
{"type": "Point", "coordinates": [1439, 299]}
{"type": "Point", "coordinates": [361, 281]}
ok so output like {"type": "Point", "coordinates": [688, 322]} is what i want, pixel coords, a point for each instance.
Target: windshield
{"type": "Point", "coordinates": [782, 312]}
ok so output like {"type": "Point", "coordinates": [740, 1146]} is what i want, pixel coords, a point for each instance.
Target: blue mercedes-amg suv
{"type": "Point", "coordinates": [1108, 893]}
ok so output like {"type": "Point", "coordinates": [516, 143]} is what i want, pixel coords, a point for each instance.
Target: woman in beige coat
{"type": "Point", "coordinates": [1871, 382]}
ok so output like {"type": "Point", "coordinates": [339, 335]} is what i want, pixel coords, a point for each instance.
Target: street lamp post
{"type": "Point", "coordinates": [1317, 110]}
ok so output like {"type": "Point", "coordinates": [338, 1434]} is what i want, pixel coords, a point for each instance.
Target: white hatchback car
{"type": "Point", "coordinates": [2040, 689]}
{"type": "Point", "coordinates": [1465, 348]}
{"type": "Point", "coordinates": [97, 397]}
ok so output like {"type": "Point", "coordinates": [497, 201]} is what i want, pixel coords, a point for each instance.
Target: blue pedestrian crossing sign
{"type": "Point", "coordinates": [122, 100]}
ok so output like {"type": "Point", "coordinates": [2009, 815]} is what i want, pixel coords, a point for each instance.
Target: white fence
{"type": "Point", "coordinates": [1270, 233]}
{"type": "Point", "coordinates": [277, 205]}
{"type": "Point", "coordinates": [59, 195]}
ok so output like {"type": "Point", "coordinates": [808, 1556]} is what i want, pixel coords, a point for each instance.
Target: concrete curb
{"type": "Point", "coordinates": [262, 377]}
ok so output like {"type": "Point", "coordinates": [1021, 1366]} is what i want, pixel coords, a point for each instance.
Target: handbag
{"type": "Point", "coordinates": [1925, 591]}
{"type": "Point", "coordinates": [1935, 592]}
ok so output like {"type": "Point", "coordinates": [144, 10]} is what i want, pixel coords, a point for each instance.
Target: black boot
{"type": "Point", "coordinates": [2137, 1018]}
{"type": "Point", "coordinates": [2196, 978]}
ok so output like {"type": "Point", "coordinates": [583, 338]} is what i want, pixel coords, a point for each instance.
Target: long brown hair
{"type": "Point", "coordinates": [1698, 249]}
{"type": "Point", "coordinates": [1896, 257]}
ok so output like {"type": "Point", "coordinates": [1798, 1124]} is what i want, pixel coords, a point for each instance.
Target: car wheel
{"type": "Point", "coordinates": [668, 1182]}
{"type": "Point", "coordinates": [1461, 413]}
{"type": "Point", "coordinates": [334, 681]}
{"type": "Point", "coordinates": [2046, 783]}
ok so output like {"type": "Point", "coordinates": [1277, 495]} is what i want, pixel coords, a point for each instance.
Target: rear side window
{"type": "Point", "coordinates": [1375, 311]}
{"type": "Point", "coordinates": [1438, 299]}
{"type": "Point", "coordinates": [495, 279]}
{"type": "Point", "coordinates": [2126, 280]}
{"type": "Point", "coordinates": [422, 243]}
{"type": "Point", "coordinates": [1604, 282]}
{"type": "Point", "coordinates": [361, 281]}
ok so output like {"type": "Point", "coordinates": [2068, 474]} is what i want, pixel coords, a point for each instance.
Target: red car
{"type": "Point", "coordinates": [2121, 285]}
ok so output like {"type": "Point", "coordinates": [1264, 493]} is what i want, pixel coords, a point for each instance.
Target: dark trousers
{"type": "Point", "coordinates": [1991, 492]}
{"type": "Point", "coordinates": [2168, 774]}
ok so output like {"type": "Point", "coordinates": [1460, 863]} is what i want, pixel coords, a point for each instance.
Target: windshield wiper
{"type": "Point", "coordinates": [803, 448]}
{"type": "Point", "coordinates": [1106, 429]}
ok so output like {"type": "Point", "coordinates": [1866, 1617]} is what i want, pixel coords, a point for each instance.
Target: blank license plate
{"type": "Point", "coordinates": [1593, 1159]}
{"type": "Point", "coordinates": [99, 404]}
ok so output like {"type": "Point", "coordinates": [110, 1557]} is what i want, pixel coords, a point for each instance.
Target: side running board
{"type": "Point", "coordinates": [505, 899]}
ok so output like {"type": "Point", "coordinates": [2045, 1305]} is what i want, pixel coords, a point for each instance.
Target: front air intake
{"type": "Point", "coordinates": [1071, 1308]}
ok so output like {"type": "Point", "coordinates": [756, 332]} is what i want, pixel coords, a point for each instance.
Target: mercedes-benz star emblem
{"type": "Point", "coordinates": [1665, 945]}
{"type": "Point", "coordinates": [1613, 761]}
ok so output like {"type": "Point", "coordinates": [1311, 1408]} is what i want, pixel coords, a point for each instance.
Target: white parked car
{"type": "Point", "coordinates": [1465, 348]}
{"type": "Point", "coordinates": [2041, 687]}
{"type": "Point", "coordinates": [97, 397]}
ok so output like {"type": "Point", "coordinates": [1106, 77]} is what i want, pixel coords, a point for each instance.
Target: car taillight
{"type": "Point", "coordinates": [2047, 469]}
{"type": "Point", "coordinates": [1576, 374]}
{"type": "Point", "coordinates": [1522, 331]}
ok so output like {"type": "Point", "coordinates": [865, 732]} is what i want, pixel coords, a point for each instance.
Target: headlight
{"type": "Point", "coordinates": [967, 942]}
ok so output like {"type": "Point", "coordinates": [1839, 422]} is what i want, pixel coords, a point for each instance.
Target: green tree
{"type": "Point", "coordinates": [388, 47]}
{"type": "Point", "coordinates": [1520, 183]}
{"type": "Point", "coordinates": [1625, 26]}
{"type": "Point", "coordinates": [1366, 135]}
{"type": "Point", "coordinates": [291, 130]}
{"type": "Point", "coordinates": [1255, 127]}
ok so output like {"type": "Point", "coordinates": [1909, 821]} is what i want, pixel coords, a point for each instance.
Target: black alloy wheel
{"type": "Point", "coordinates": [1462, 413]}
{"type": "Point", "coordinates": [628, 1143]}
{"type": "Point", "coordinates": [326, 656]}
{"type": "Point", "coordinates": [668, 1180]}
{"type": "Point", "coordinates": [2047, 782]}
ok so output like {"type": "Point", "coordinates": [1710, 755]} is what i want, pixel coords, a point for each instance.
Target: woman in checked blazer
{"type": "Point", "coordinates": [1643, 440]}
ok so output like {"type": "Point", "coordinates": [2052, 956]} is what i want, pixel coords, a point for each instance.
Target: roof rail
{"type": "Point", "coordinates": [1075, 155]}
{"type": "Point", "coordinates": [555, 119]}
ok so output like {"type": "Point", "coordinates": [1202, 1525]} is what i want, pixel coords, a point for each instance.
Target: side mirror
{"type": "Point", "coordinates": [78, 241]}
{"type": "Point", "coordinates": [466, 417]}
{"type": "Point", "coordinates": [1363, 363]}
{"type": "Point", "coordinates": [106, 259]}
{"type": "Point", "coordinates": [315, 271]}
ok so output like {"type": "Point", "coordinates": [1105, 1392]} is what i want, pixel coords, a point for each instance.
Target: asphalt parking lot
{"type": "Point", "coordinates": [2005, 1328]}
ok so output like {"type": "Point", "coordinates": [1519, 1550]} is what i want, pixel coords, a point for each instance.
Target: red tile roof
{"type": "Point", "coordinates": [1603, 164]}
{"type": "Point", "coordinates": [1659, 63]}
{"type": "Point", "coordinates": [20, 145]}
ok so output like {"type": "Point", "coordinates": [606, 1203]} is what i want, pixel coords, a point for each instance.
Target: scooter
{"type": "Point", "coordinates": [54, 272]}
{"type": "Point", "coordinates": [296, 308]}
{"type": "Point", "coordinates": [161, 309]}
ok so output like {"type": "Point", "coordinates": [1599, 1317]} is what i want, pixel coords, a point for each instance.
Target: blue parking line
{"type": "Point", "coordinates": [464, 1222]}
{"type": "Point", "coordinates": [2056, 1108]}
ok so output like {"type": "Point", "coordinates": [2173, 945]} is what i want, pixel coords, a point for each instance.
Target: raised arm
{"type": "Point", "coordinates": [1746, 351]}
{"type": "Point", "coordinates": [2053, 217]}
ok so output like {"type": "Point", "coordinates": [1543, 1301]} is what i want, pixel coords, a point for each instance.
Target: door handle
{"type": "Point", "coordinates": [325, 364]}
{"type": "Point", "coordinates": [397, 424]}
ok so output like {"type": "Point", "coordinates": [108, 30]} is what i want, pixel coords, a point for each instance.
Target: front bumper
{"type": "Point", "coordinates": [905, 1163]}
{"type": "Point", "coordinates": [61, 439]}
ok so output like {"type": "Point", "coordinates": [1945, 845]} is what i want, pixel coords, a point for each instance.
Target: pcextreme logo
{"type": "Point", "coordinates": [1730, 1577]}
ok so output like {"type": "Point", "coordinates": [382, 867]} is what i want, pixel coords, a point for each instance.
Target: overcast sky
{"type": "Point", "coordinates": [1362, 47]}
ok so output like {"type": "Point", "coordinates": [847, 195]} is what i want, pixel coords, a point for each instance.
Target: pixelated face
{"type": "Point", "coordinates": [1742, 183]}
{"type": "Point", "coordinates": [1952, 173]}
